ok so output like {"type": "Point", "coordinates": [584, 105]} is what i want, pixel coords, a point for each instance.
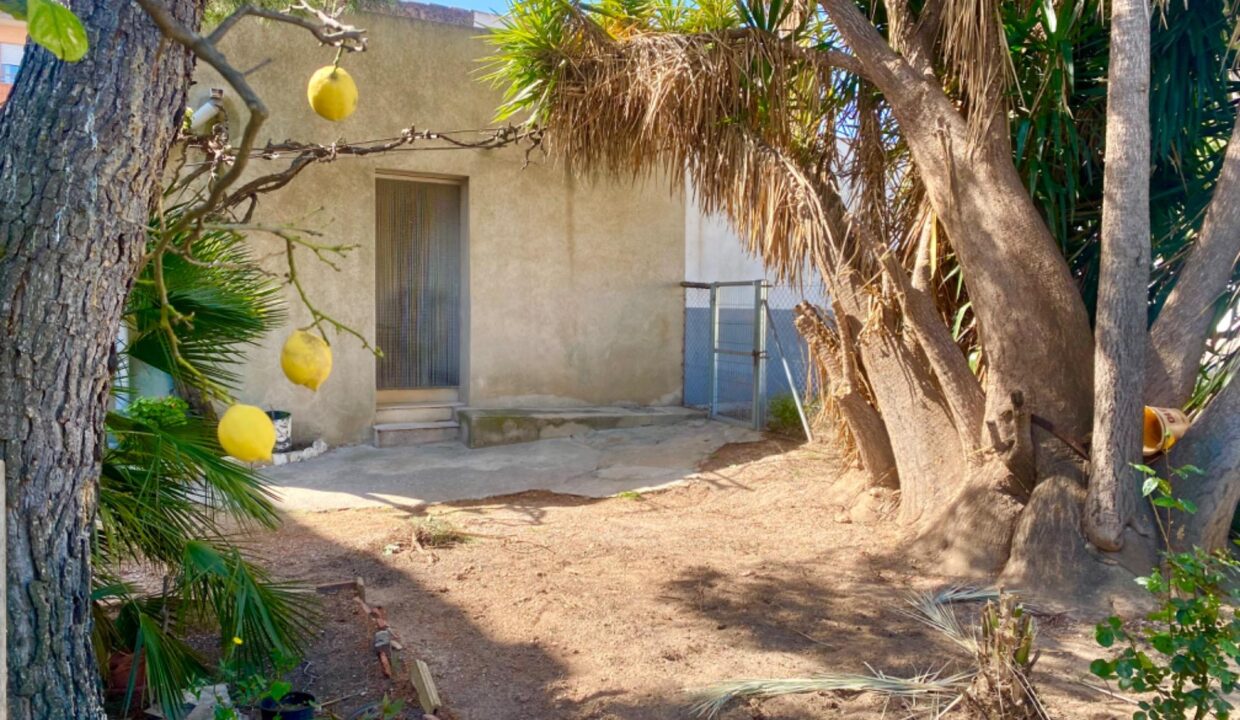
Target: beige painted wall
{"type": "Point", "coordinates": [573, 290]}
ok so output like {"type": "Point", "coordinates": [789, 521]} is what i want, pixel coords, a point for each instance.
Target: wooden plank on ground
{"type": "Point", "coordinates": [428, 695]}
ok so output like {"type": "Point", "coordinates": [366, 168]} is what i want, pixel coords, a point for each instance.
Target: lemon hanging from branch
{"type": "Point", "coordinates": [306, 359]}
{"type": "Point", "coordinates": [246, 433]}
{"type": "Point", "coordinates": [332, 93]}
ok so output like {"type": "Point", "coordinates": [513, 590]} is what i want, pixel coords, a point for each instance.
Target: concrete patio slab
{"type": "Point", "coordinates": [593, 464]}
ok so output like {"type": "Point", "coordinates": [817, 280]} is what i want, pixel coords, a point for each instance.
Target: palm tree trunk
{"type": "Point", "coordinates": [1213, 446]}
{"type": "Point", "coordinates": [82, 147]}
{"type": "Point", "coordinates": [1119, 357]}
{"type": "Point", "coordinates": [1178, 338]}
{"type": "Point", "coordinates": [925, 443]}
{"type": "Point", "coordinates": [834, 352]}
{"type": "Point", "coordinates": [1032, 322]}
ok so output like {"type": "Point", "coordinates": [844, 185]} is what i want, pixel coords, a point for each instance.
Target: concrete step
{"type": "Point", "coordinates": [418, 395]}
{"type": "Point", "coordinates": [433, 411]}
{"type": "Point", "coordinates": [415, 433]}
{"type": "Point", "coordinates": [483, 427]}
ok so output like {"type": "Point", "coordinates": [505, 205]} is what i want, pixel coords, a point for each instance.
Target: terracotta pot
{"type": "Point", "coordinates": [1163, 427]}
{"type": "Point", "coordinates": [120, 665]}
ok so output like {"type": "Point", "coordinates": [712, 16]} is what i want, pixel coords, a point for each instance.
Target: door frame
{"type": "Point", "coordinates": [385, 397]}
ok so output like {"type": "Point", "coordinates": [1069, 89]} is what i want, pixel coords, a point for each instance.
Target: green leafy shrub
{"type": "Point", "coordinates": [782, 416]}
{"type": "Point", "coordinates": [1194, 637]}
{"type": "Point", "coordinates": [1186, 653]}
{"type": "Point", "coordinates": [161, 412]}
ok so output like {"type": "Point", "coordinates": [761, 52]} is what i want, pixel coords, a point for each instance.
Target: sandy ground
{"type": "Point", "coordinates": [562, 607]}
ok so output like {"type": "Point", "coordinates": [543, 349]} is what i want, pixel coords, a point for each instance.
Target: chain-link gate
{"type": "Point", "coordinates": [742, 349]}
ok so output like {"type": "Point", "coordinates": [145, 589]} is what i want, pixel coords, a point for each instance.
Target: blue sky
{"type": "Point", "coordinates": [499, 7]}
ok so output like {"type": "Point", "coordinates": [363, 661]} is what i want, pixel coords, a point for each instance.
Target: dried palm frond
{"type": "Point", "coordinates": [932, 687]}
{"type": "Point", "coordinates": [935, 610]}
{"type": "Point", "coordinates": [978, 62]}
{"type": "Point", "coordinates": [743, 114]}
{"type": "Point", "coordinates": [996, 684]}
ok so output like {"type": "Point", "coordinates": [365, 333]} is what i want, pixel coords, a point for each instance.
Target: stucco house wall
{"type": "Point", "coordinates": [571, 292]}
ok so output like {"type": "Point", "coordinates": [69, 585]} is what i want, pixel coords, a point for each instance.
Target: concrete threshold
{"type": "Point", "coordinates": [485, 427]}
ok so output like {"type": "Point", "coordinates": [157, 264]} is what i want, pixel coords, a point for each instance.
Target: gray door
{"type": "Point", "coordinates": [417, 284]}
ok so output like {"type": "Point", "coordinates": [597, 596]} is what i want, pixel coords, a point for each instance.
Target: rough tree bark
{"type": "Point", "coordinates": [1032, 323]}
{"type": "Point", "coordinates": [908, 386]}
{"type": "Point", "coordinates": [1213, 446]}
{"type": "Point", "coordinates": [1179, 335]}
{"type": "Point", "coordinates": [82, 147]}
{"type": "Point", "coordinates": [1017, 278]}
{"type": "Point", "coordinates": [925, 447]}
{"type": "Point", "coordinates": [982, 489]}
{"type": "Point", "coordinates": [1119, 324]}
{"type": "Point", "coordinates": [835, 356]}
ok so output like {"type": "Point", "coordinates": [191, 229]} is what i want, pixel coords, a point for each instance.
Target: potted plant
{"type": "Point", "coordinates": [278, 703]}
{"type": "Point", "coordinates": [283, 422]}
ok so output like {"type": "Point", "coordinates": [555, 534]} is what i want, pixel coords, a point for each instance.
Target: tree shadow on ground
{"type": "Point", "coordinates": [502, 630]}
{"type": "Point", "coordinates": [524, 508]}
{"type": "Point", "coordinates": [342, 663]}
{"type": "Point", "coordinates": [735, 454]}
{"type": "Point", "coordinates": [785, 609]}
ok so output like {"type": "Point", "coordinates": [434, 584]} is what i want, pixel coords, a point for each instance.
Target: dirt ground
{"type": "Point", "coordinates": [768, 564]}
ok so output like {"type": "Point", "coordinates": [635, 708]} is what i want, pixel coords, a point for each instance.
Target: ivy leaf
{"type": "Point", "coordinates": [278, 690]}
{"type": "Point", "coordinates": [1101, 668]}
{"type": "Point", "coordinates": [1163, 643]}
{"type": "Point", "coordinates": [1104, 636]}
{"type": "Point", "coordinates": [1149, 486]}
{"type": "Point", "coordinates": [56, 28]}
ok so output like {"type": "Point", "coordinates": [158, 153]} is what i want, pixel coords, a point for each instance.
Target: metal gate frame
{"type": "Point", "coordinates": [757, 352]}
{"type": "Point", "coordinates": [761, 322]}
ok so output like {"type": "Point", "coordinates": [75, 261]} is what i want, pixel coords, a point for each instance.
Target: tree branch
{"type": "Point", "coordinates": [1213, 446]}
{"type": "Point", "coordinates": [329, 30]}
{"type": "Point", "coordinates": [914, 37]}
{"type": "Point", "coordinates": [1178, 338]}
{"type": "Point", "coordinates": [878, 63]}
{"type": "Point", "coordinates": [961, 389]}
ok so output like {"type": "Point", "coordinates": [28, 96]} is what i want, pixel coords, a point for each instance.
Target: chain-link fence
{"type": "Point", "coordinates": [745, 326]}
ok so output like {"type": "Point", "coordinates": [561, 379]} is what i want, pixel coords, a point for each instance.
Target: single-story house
{"type": "Point", "coordinates": [486, 282]}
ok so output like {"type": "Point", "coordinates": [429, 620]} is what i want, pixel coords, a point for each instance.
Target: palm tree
{"type": "Point", "coordinates": [888, 145]}
{"type": "Point", "coordinates": [170, 501]}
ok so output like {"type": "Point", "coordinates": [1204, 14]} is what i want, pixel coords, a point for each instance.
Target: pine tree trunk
{"type": "Point", "coordinates": [1119, 334]}
{"type": "Point", "coordinates": [82, 147]}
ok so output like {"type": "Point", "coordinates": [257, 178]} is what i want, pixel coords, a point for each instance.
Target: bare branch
{"type": "Point", "coordinates": [328, 29]}
{"type": "Point", "coordinates": [206, 50]}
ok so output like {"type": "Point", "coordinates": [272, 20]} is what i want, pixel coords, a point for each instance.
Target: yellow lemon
{"type": "Point", "coordinates": [246, 433]}
{"type": "Point", "coordinates": [306, 359]}
{"type": "Point", "coordinates": [332, 93]}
